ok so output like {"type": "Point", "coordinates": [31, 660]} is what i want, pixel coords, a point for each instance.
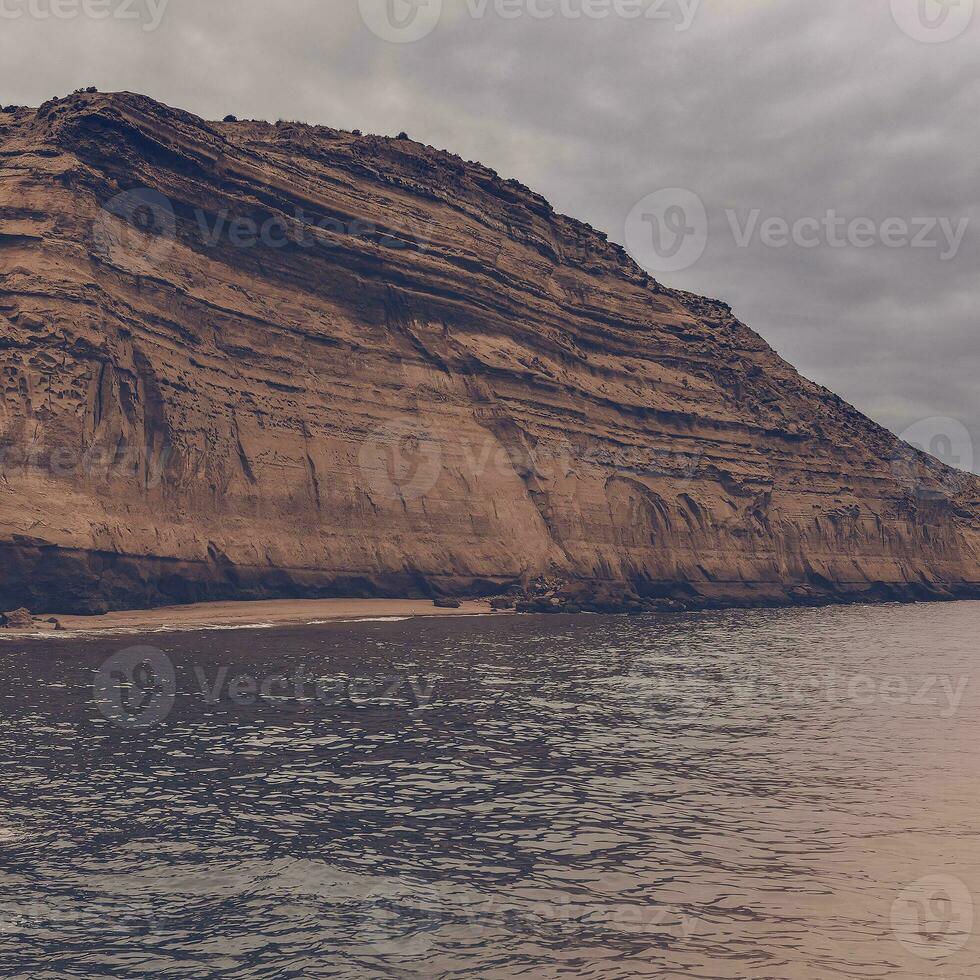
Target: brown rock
{"type": "Point", "coordinates": [454, 390]}
{"type": "Point", "coordinates": [19, 619]}
{"type": "Point", "coordinates": [447, 604]}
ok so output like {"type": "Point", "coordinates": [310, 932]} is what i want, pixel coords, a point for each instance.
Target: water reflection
{"type": "Point", "coordinates": [766, 794]}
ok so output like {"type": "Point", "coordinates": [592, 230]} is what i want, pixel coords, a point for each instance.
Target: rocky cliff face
{"type": "Point", "coordinates": [250, 360]}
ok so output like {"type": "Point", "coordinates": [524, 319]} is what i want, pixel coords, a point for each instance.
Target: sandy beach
{"type": "Point", "coordinates": [279, 612]}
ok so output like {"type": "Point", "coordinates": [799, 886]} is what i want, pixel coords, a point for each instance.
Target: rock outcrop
{"type": "Point", "coordinates": [18, 619]}
{"type": "Point", "coordinates": [245, 360]}
{"type": "Point", "coordinates": [22, 621]}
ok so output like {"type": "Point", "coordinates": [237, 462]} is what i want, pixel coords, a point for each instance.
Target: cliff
{"type": "Point", "coordinates": [245, 360]}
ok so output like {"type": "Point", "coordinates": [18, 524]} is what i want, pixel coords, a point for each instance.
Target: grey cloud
{"type": "Point", "coordinates": [786, 106]}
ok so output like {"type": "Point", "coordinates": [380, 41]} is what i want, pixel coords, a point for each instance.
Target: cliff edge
{"type": "Point", "coordinates": [246, 360]}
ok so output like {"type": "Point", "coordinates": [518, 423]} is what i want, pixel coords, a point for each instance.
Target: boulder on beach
{"type": "Point", "coordinates": [447, 604]}
{"type": "Point", "coordinates": [19, 619]}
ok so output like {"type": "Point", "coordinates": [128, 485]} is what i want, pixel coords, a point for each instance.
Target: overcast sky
{"type": "Point", "coordinates": [633, 115]}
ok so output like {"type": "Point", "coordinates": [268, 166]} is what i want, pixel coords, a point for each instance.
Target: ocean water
{"type": "Point", "coordinates": [764, 794]}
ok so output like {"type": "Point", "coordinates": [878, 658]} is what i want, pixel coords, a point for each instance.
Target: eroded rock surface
{"type": "Point", "coordinates": [244, 360]}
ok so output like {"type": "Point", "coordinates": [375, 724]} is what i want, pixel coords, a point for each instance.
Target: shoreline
{"type": "Point", "coordinates": [273, 613]}
{"type": "Point", "coordinates": [249, 614]}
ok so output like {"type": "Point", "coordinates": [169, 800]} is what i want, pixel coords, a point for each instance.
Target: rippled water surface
{"type": "Point", "coordinates": [747, 794]}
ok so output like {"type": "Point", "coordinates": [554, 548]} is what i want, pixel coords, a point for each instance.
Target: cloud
{"type": "Point", "coordinates": [786, 107]}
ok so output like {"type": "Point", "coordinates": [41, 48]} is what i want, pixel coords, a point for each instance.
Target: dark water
{"type": "Point", "coordinates": [750, 794]}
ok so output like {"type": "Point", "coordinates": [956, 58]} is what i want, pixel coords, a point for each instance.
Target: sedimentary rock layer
{"type": "Point", "coordinates": [252, 360]}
